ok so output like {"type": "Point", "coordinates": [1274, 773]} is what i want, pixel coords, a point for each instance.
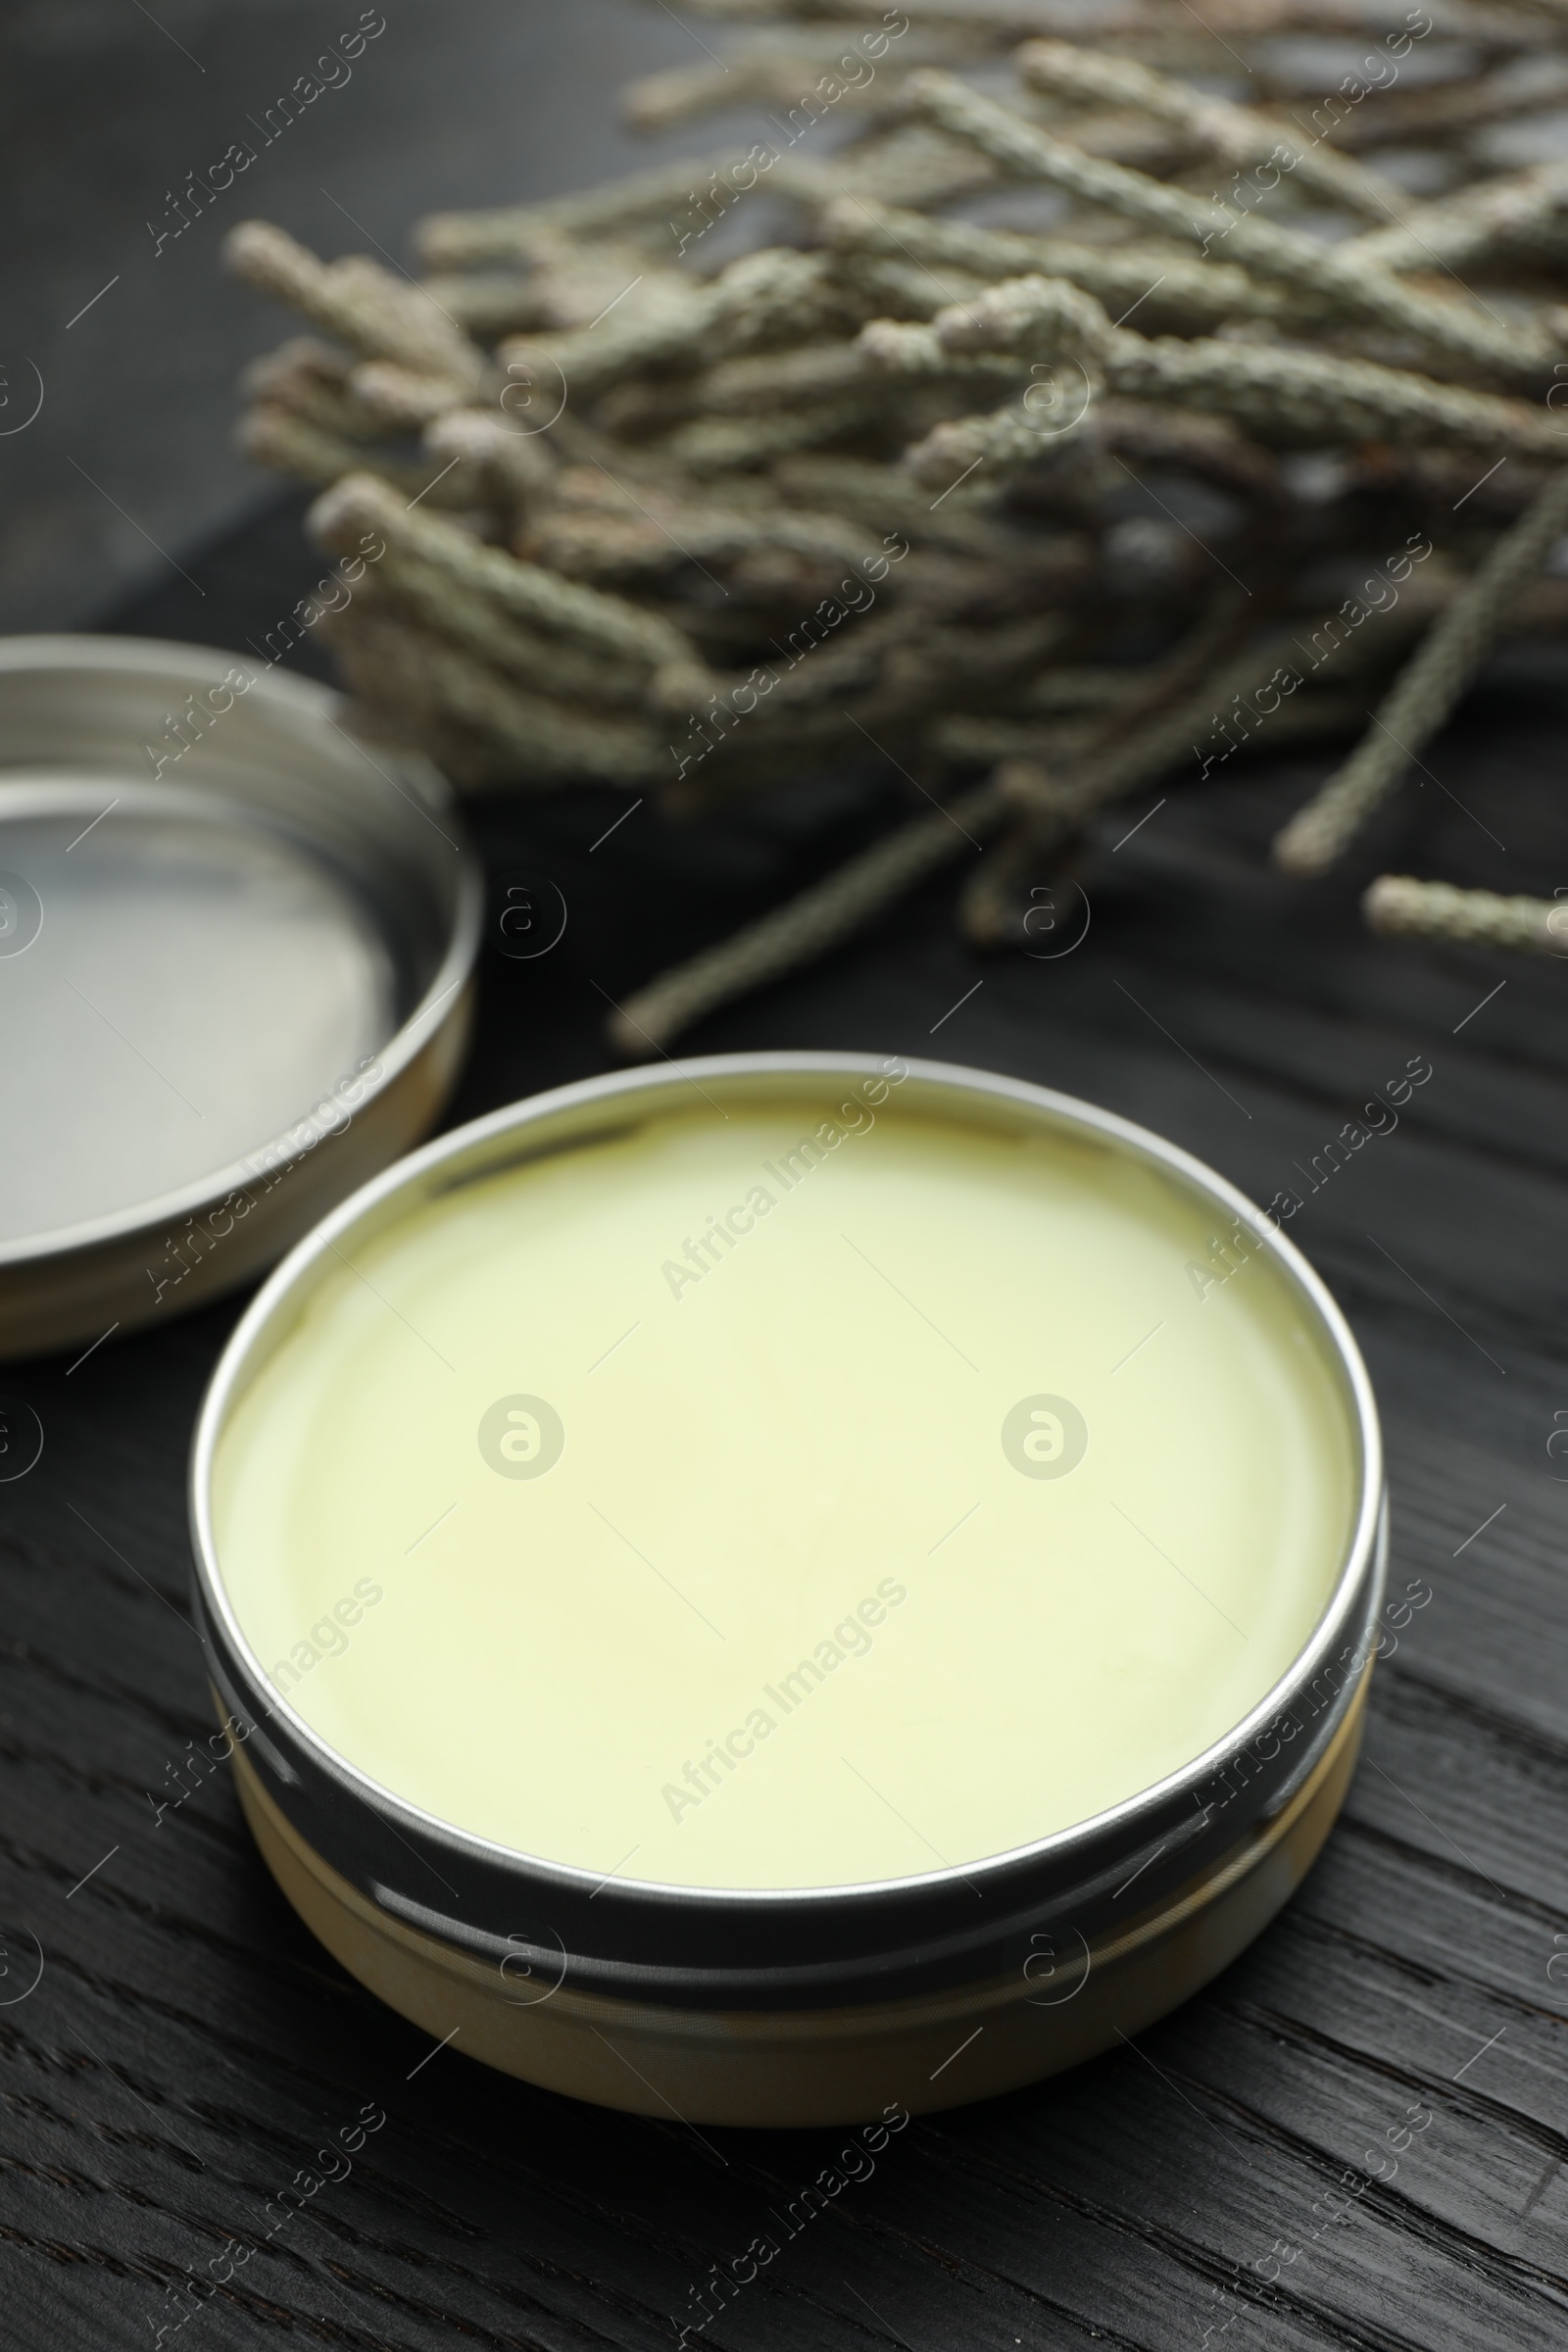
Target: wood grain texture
{"type": "Point", "coordinates": [188, 2046]}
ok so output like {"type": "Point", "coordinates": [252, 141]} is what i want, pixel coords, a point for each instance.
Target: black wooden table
{"type": "Point", "coordinates": [1227, 2178]}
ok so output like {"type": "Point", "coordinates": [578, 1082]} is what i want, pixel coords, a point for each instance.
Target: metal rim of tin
{"type": "Point", "coordinates": [442, 1002]}
{"type": "Point", "coordinates": [805, 1947]}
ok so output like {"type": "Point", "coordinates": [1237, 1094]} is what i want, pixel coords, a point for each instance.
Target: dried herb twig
{"type": "Point", "coordinates": [1471, 918]}
{"type": "Point", "coordinates": [945, 494]}
{"type": "Point", "coordinates": [1426, 692]}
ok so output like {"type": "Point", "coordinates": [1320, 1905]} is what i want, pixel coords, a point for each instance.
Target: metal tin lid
{"type": "Point", "coordinates": [809, 1946]}
{"type": "Point", "coordinates": [231, 932]}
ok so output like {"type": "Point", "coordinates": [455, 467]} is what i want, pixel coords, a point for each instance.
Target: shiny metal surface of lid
{"type": "Point", "coordinates": [235, 947]}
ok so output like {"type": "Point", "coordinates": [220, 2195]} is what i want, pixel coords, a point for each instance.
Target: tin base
{"type": "Point", "coordinates": [817, 2066]}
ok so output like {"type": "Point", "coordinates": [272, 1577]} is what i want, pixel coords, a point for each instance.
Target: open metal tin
{"type": "Point", "coordinates": [801, 2004]}
{"type": "Point", "coordinates": [236, 942]}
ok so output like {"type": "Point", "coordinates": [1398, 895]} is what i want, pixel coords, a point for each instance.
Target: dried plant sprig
{"type": "Point", "coordinates": [1399, 905]}
{"type": "Point", "coordinates": [807, 927]}
{"type": "Point", "coordinates": [276, 436]}
{"type": "Point", "coordinates": [733, 435]}
{"type": "Point", "coordinates": [402, 400]}
{"type": "Point", "coordinates": [1166, 736]}
{"type": "Point", "coordinates": [409, 589]}
{"type": "Point", "coordinates": [491, 303]}
{"type": "Point", "coordinates": [884, 497]}
{"type": "Point", "coordinates": [1305, 396]}
{"type": "Point", "coordinates": [386, 658]}
{"type": "Point", "coordinates": [647, 534]}
{"type": "Point", "coordinates": [356, 300]}
{"type": "Point", "coordinates": [995, 901]}
{"type": "Point", "coordinates": [641, 201]}
{"type": "Point", "coordinates": [722, 445]}
{"type": "Point", "coordinates": [586, 615]}
{"type": "Point", "coordinates": [310, 381]}
{"type": "Point", "coordinates": [1011, 20]}
{"type": "Point", "coordinates": [897, 670]}
{"type": "Point", "coordinates": [1524, 212]}
{"type": "Point", "coordinates": [1233, 135]}
{"type": "Point", "coordinates": [819, 918]}
{"type": "Point", "coordinates": [1206, 446]}
{"type": "Point", "coordinates": [1356, 289]}
{"type": "Point", "coordinates": [1315, 397]}
{"type": "Point", "coordinates": [786, 72]}
{"type": "Point", "coordinates": [517, 469]}
{"type": "Point", "coordinates": [1426, 692]}
{"type": "Point", "coordinates": [767, 297]}
{"type": "Point", "coordinates": [1162, 283]}
{"type": "Point", "coordinates": [1386, 119]}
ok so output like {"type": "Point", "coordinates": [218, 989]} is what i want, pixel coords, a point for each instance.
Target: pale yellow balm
{"type": "Point", "coordinates": [791, 1495]}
